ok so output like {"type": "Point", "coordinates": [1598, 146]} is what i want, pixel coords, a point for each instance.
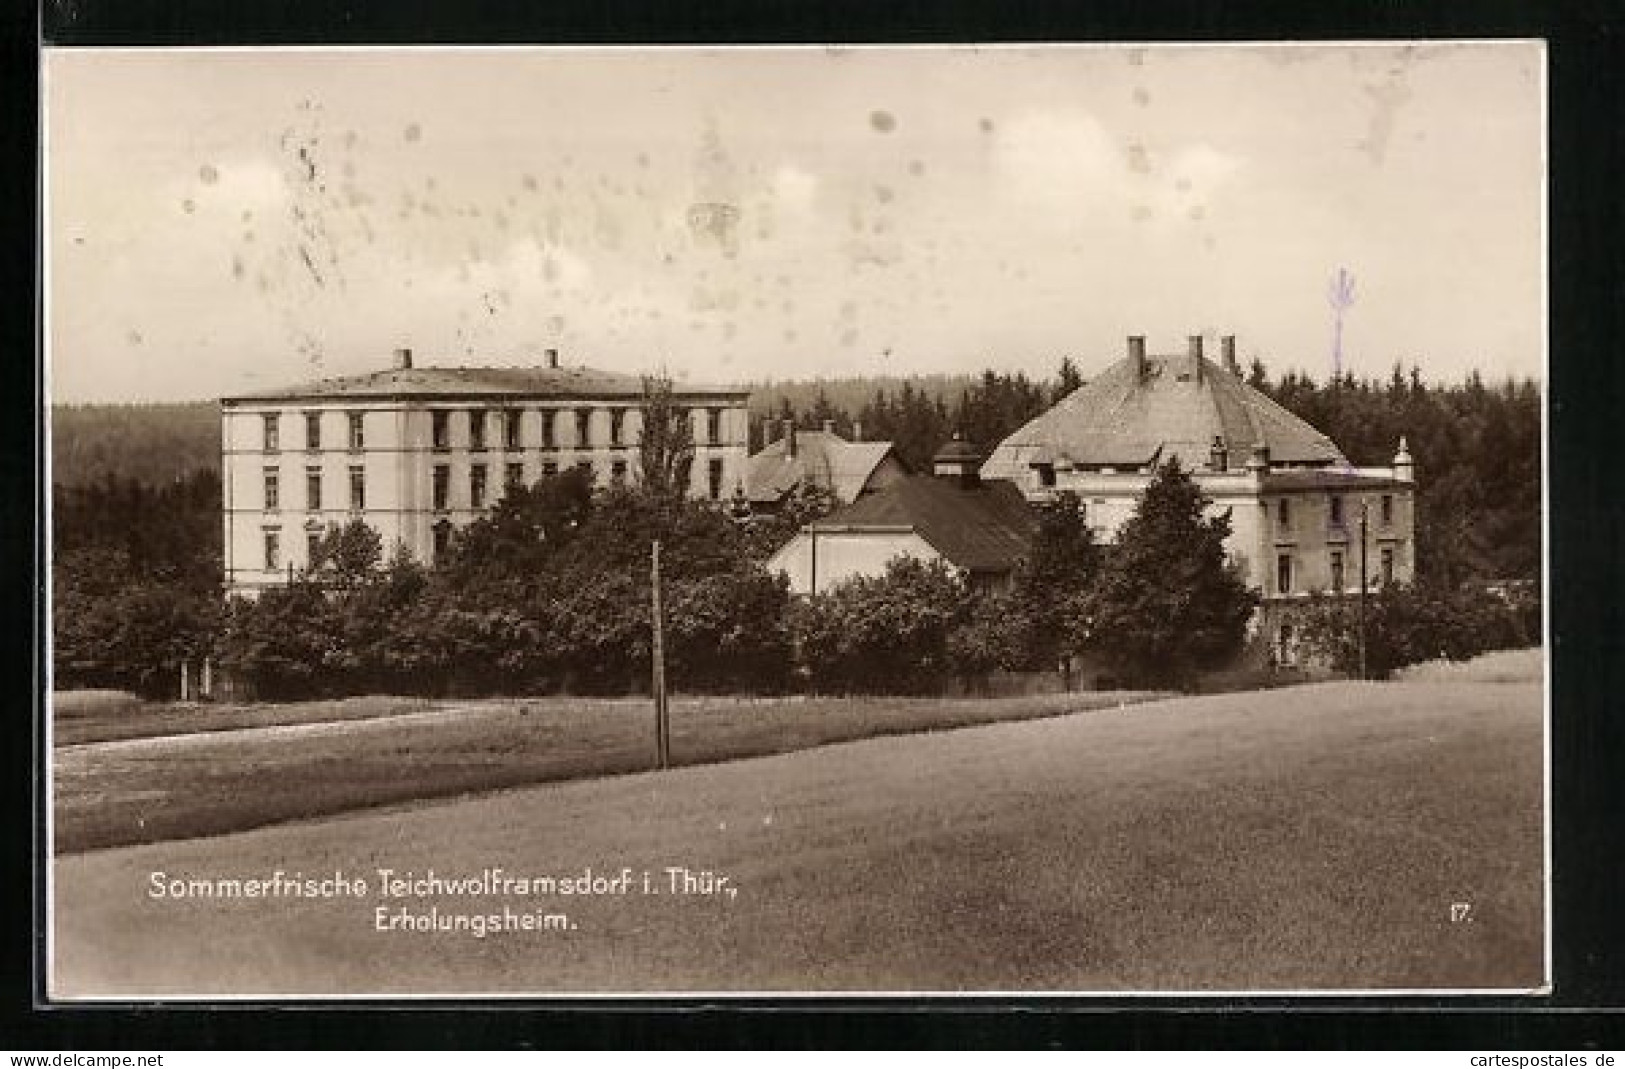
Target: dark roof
{"type": "Point", "coordinates": [984, 527]}
{"type": "Point", "coordinates": [825, 459]}
{"type": "Point", "coordinates": [462, 382]}
{"type": "Point", "coordinates": [1120, 419]}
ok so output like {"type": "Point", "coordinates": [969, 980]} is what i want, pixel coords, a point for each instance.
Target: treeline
{"type": "Point", "coordinates": [135, 580]}
{"type": "Point", "coordinates": [552, 592]}
{"type": "Point", "coordinates": [1477, 447]}
{"type": "Point", "coordinates": [152, 444]}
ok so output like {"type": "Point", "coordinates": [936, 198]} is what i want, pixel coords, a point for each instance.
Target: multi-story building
{"type": "Point", "coordinates": [417, 452]}
{"type": "Point", "coordinates": [1303, 518]}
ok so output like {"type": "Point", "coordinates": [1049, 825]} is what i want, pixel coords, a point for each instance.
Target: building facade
{"type": "Point", "coordinates": [418, 452]}
{"type": "Point", "coordinates": [953, 515]}
{"type": "Point", "coordinates": [1304, 520]}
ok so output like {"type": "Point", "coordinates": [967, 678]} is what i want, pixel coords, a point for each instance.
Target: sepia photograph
{"type": "Point", "coordinates": [793, 522]}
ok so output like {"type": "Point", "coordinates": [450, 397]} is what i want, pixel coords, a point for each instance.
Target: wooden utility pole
{"type": "Point", "coordinates": [1364, 511]}
{"type": "Point", "coordinates": [658, 682]}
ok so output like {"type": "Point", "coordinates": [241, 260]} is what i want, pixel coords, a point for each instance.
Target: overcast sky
{"type": "Point", "coordinates": [220, 221]}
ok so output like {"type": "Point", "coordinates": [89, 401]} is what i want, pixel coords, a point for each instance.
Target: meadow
{"type": "Point", "coordinates": [128, 771]}
{"type": "Point", "coordinates": [1337, 836]}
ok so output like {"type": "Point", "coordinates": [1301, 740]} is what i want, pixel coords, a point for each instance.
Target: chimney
{"type": "Point", "coordinates": [1259, 462]}
{"type": "Point", "coordinates": [857, 431]}
{"type": "Point", "coordinates": [1196, 354]}
{"type": "Point", "coordinates": [553, 358]}
{"type": "Point", "coordinates": [829, 426]}
{"type": "Point", "coordinates": [1136, 352]}
{"type": "Point", "coordinates": [1218, 456]}
{"type": "Point", "coordinates": [1227, 346]}
{"type": "Point", "coordinates": [789, 437]}
{"type": "Point", "coordinates": [403, 360]}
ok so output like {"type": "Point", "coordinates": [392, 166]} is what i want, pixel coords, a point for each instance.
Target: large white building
{"type": "Point", "coordinates": [417, 452]}
{"type": "Point", "coordinates": [1299, 510]}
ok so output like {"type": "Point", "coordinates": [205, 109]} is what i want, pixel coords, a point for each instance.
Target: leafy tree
{"type": "Point", "coordinates": [1049, 603]}
{"type": "Point", "coordinates": [883, 634]}
{"type": "Point", "coordinates": [666, 447]}
{"type": "Point", "coordinates": [1409, 624]}
{"type": "Point", "coordinates": [345, 558]}
{"type": "Point", "coordinates": [1167, 604]}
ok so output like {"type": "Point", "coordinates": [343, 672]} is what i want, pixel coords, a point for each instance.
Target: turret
{"type": "Point", "coordinates": [1404, 466]}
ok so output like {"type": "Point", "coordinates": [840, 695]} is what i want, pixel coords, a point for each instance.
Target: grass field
{"type": "Point", "coordinates": [127, 772]}
{"type": "Point", "coordinates": [1295, 839]}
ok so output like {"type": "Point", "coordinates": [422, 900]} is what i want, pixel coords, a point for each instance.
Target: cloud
{"type": "Point", "coordinates": [1070, 167]}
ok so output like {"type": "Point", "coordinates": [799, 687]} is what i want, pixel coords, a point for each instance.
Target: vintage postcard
{"type": "Point", "coordinates": [796, 521]}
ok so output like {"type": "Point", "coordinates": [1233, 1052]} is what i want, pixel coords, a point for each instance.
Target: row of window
{"type": "Point", "coordinates": [513, 475]}
{"type": "Point", "coordinates": [1285, 564]}
{"type": "Point", "coordinates": [313, 488]}
{"type": "Point", "coordinates": [510, 428]}
{"type": "Point", "coordinates": [1385, 511]}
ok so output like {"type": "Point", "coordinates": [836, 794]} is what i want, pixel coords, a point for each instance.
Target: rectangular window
{"type": "Point", "coordinates": [358, 487]}
{"type": "Point", "coordinates": [1337, 510]}
{"type": "Point", "coordinates": [476, 486]}
{"type": "Point", "coordinates": [442, 485]}
{"type": "Point", "coordinates": [313, 540]}
{"type": "Point", "coordinates": [1046, 475]}
{"type": "Point", "coordinates": [617, 420]}
{"type": "Point", "coordinates": [713, 478]}
{"type": "Point", "coordinates": [1387, 565]}
{"type": "Point", "coordinates": [442, 540]}
{"type": "Point", "coordinates": [583, 427]}
{"type": "Point", "coordinates": [550, 468]}
{"type": "Point", "coordinates": [273, 488]}
{"type": "Point", "coordinates": [547, 428]}
{"type": "Point", "coordinates": [713, 426]}
{"type": "Point", "coordinates": [617, 471]}
{"type": "Point", "coordinates": [313, 489]}
{"type": "Point", "coordinates": [313, 430]}
{"type": "Point", "coordinates": [1337, 570]}
{"type": "Point", "coordinates": [273, 425]}
{"type": "Point", "coordinates": [273, 550]}
{"type": "Point", "coordinates": [358, 437]}
{"type": "Point", "coordinates": [1387, 510]}
{"type": "Point", "coordinates": [511, 425]}
{"type": "Point", "coordinates": [476, 430]}
{"type": "Point", "coordinates": [1283, 573]}
{"type": "Point", "coordinates": [516, 475]}
{"type": "Point", "coordinates": [441, 428]}
{"type": "Point", "coordinates": [1286, 514]}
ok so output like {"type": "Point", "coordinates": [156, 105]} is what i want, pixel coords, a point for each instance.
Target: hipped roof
{"type": "Point", "coordinates": [982, 527]}
{"type": "Point", "coordinates": [429, 382]}
{"type": "Point", "coordinates": [1125, 420]}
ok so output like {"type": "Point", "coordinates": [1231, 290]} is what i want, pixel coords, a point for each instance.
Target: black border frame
{"type": "Point", "coordinates": [1586, 57]}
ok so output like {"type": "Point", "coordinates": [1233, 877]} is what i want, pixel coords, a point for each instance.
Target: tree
{"type": "Point", "coordinates": [1053, 583]}
{"type": "Point", "coordinates": [346, 557]}
{"type": "Point", "coordinates": [1067, 379]}
{"type": "Point", "coordinates": [884, 634]}
{"type": "Point", "coordinates": [1168, 604]}
{"type": "Point", "coordinates": [666, 446]}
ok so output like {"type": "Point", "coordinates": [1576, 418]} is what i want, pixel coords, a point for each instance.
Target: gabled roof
{"type": "Point", "coordinates": [822, 458]}
{"type": "Point", "coordinates": [982, 527]}
{"type": "Point", "coordinates": [1121, 419]}
{"type": "Point", "coordinates": [475, 382]}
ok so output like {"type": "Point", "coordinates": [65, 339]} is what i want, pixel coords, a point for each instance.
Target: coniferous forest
{"type": "Point", "coordinates": [136, 510]}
